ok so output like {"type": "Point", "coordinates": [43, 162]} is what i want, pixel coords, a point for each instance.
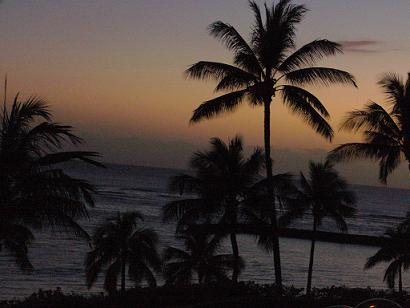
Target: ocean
{"type": "Point", "coordinates": [58, 257]}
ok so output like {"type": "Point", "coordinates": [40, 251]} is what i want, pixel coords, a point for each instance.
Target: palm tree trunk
{"type": "Point", "coordinates": [400, 282]}
{"type": "Point", "coordinates": [123, 275]}
{"type": "Point", "coordinates": [271, 195]}
{"type": "Point", "coordinates": [312, 254]}
{"type": "Point", "coordinates": [235, 252]}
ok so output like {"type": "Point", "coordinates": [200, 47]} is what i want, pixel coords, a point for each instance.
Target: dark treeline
{"type": "Point", "coordinates": [242, 295]}
{"type": "Point", "coordinates": [226, 194]}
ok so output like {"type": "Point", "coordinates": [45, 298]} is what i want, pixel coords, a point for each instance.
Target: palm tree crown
{"type": "Point", "coordinates": [199, 256]}
{"type": "Point", "coordinates": [386, 132]}
{"type": "Point", "coordinates": [270, 65]}
{"type": "Point", "coordinates": [396, 250]}
{"type": "Point", "coordinates": [34, 190]}
{"type": "Point", "coordinates": [118, 243]}
{"type": "Point", "coordinates": [222, 180]}
{"type": "Point", "coordinates": [325, 194]}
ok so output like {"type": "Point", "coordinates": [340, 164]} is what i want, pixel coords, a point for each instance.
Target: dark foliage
{"type": "Point", "coordinates": [35, 192]}
{"type": "Point", "coordinates": [396, 252]}
{"type": "Point", "coordinates": [120, 243]}
{"type": "Point", "coordinates": [386, 132]}
{"type": "Point", "coordinates": [200, 256]}
{"type": "Point", "coordinates": [242, 295]}
{"type": "Point", "coordinates": [223, 178]}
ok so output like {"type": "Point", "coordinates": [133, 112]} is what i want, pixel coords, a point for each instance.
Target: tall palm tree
{"type": "Point", "coordinates": [267, 66]}
{"type": "Point", "coordinates": [119, 243]}
{"type": "Point", "coordinates": [396, 250]}
{"type": "Point", "coordinates": [325, 194]}
{"type": "Point", "coordinates": [386, 132]}
{"type": "Point", "coordinates": [200, 256]}
{"type": "Point", "coordinates": [222, 178]}
{"type": "Point", "coordinates": [35, 191]}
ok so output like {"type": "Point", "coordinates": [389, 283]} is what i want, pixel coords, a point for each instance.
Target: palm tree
{"type": "Point", "coordinates": [221, 181]}
{"type": "Point", "coordinates": [386, 132]}
{"type": "Point", "coordinates": [35, 192]}
{"type": "Point", "coordinates": [267, 66]}
{"type": "Point", "coordinates": [199, 256]}
{"type": "Point", "coordinates": [396, 251]}
{"type": "Point", "coordinates": [325, 194]}
{"type": "Point", "coordinates": [120, 242]}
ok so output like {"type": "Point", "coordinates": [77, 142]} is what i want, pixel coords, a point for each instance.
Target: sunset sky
{"type": "Point", "coordinates": [114, 69]}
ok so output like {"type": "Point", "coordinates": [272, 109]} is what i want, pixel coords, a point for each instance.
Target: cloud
{"type": "Point", "coordinates": [362, 46]}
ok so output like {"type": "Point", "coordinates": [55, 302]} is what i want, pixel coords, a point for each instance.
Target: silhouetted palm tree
{"type": "Point", "coordinates": [35, 191]}
{"type": "Point", "coordinates": [221, 181]}
{"type": "Point", "coordinates": [200, 256]}
{"type": "Point", "coordinates": [268, 66]}
{"type": "Point", "coordinates": [386, 132]}
{"type": "Point", "coordinates": [119, 243]}
{"type": "Point", "coordinates": [396, 250]}
{"type": "Point", "coordinates": [325, 194]}
{"type": "Point", "coordinates": [258, 211]}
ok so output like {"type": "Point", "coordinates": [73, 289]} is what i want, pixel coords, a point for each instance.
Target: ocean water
{"type": "Point", "coordinates": [58, 257]}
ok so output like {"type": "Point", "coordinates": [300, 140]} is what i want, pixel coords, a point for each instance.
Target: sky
{"type": "Point", "coordinates": [114, 70]}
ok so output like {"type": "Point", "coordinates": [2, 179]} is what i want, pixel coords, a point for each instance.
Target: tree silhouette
{"type": "Point", "coordinates": [35, 192]}
{"type": "Point", "coordinates": [395, 250]}
{"type": "Point", "coordinates": [200, 256]}
{"type": "Point", "coordinates": [267, 66]}
{"type": "Point", "coordinates": [119, 243]}
{"type": "Point", "coordinates": [222, 179]}
{"type": "Point", "coordinates": [386, 132]}
{"type": "Point", "coordinates": [325, 194]}
{"type": "Point", "coordinates": [257, 209]}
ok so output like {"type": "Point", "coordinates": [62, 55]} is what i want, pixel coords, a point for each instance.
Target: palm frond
{"type": "Point", "coordinates": [278, 35]}
{"type": "Point", "coordinates": [22, 113]}
{"type": "Point", "coordinates": [205, 70]}
{"type": "Point", "coordinates": [309, 54]}
{"type": "Point", "coordinates": [308, 97]}
{"type": "Point", "coordinates": [391, 273]}
{"type": "Point", "coordinates": [139, 271]}
{"type": "Point", "coordinates": [393, 86]}
{"type": "Point", "coordinates": [373, 118]}
{"type": "Point", "coordinates": [93, 267]}
{"type": "Point", "coordinates": [85, 156]}
{"type": "Point", "coordinates": [225, 103]}
{"type": "Point", "coordinates": [320, 76]}
{"type": "Point", "coordinates": [51, 135]}
{"type": "Point", "coordinates": [383, 255]}
{"type": "Point", "coordinates": [388, 156]}
{"type": "Point", "coordinates": [244, 55]}
{"type": "Point", "coordinates": [389, 163]}
{"type": "Point", "coordinates": [349, 151]}
{"type": "Point", "coordinates": [16, 239]}
{"type": "Point", "coordinates": [304, 105]}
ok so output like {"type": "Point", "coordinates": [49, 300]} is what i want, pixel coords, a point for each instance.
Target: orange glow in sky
{"type": "Point", "coordinates": [116, 67]}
